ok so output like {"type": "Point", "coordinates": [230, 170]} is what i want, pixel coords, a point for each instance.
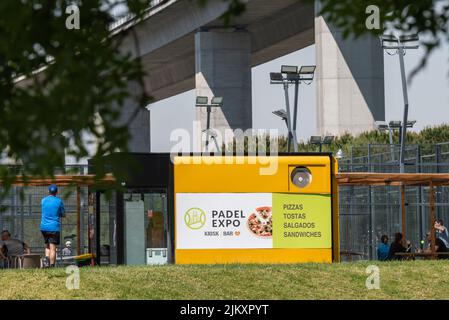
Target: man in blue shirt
{"type": "Point", "coordinates": [52, 211]}
{"type": "Point", "coordinates": [383, 249]}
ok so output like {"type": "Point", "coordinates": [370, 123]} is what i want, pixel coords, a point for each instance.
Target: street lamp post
{"type": "Point", "coordinates": [400, 45]}
{"type": "Point", "coordinates": [289, 121]}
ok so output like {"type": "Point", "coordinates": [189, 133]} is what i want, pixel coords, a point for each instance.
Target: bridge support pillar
{"type": "Point", "coordinates": [139, 128]}
{"type": "Point", "coordinates": [223, 69]}
{"type": "Point", "coordinates": [349, 80]}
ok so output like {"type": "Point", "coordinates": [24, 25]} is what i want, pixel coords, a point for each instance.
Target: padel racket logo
{"type": "Point", "coordinates": [195, 218]}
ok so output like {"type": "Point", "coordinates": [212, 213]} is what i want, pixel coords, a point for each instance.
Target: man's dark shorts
{"type": "Point", "coordinates": [51, 237]}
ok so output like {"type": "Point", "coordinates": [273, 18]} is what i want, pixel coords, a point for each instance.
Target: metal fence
{"type": "Point", "coordinates": [366, 212]}
{"type": "Point", "coordinates": [20, 213]}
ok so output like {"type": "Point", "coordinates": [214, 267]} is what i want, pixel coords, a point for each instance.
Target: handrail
{"type": "Point", "coordinates": [130, 16]}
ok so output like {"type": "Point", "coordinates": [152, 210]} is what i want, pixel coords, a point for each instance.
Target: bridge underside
{"type": "Point", "coordinates": [185, 47]}
{"type": "Point", "coordinates": [274, 28]}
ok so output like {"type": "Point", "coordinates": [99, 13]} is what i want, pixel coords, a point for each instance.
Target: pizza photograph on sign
{"type": "Point", "coordinates": [260, 222]}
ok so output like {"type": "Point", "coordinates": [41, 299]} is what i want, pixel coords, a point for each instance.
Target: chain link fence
{"type": "Point", "coordinates": [368, 212]}
{"type": "Point", "coordinates": [20, 213]}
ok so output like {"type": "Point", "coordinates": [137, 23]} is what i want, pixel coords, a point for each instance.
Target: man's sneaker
{"type": "Point", "coordinates": [46, 262]}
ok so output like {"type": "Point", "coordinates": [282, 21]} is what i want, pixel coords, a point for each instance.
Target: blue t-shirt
{"type": "Point", "coordinates": [383, 251]}
{"type": "Point", "coordinates": [52, 210]}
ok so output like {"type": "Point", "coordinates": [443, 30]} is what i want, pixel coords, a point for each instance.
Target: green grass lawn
{"type": "Point", "coordinates": [398, 280]}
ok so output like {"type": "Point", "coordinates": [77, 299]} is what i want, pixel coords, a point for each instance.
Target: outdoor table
{"type": "Point", "coordinates": [351, 254]}
{"type": "Point", "coordinates": [426, 255]}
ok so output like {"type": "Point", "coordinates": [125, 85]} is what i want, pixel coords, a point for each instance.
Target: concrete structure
{"type": "Point", "coordinates": [350, 81]}
{"type": "Point", "coordinates": [138, 120]}
{"type": "Point", "coordinates": [184, 46]}
{"type": "Point", "coordinates": [223, 69]}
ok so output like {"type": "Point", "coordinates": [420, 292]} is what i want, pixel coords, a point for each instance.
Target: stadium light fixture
{"type": "Point", "coordinates": [411, 123]}
{"type": "Point", "coordinates": [389, 41]}
{"type": "Point", "coordinates": [276, 77]}
{"type": "Point", "coordinates": [409, 38]}
{"type": "Point", "coordinates": [315, 139]}
{"type": "Point", "coordinates": [281, 114]}
{"type": "Point", "coordinates": [409, 41]}
{"type": "Point", "coordinates": [289, 69]}
{"type": "Point", "coordinates": [202, 101]}
{"type": "Point", "coordinates": [395, 124]}
{"type": "Point", "coordinates": [307, 70]}
{"type": "Point", "coordinates": [381, 125]}
{"type": "Point", "coordinates": [384, 126]}
{"type": "Point", "coordinates": [284, 117]}
{"type": "Point", "coordinates": [292, 75]}
{"type": "Point", "coordinates": [217, 101]}
{"type": "Point", "coordinates": [328, 139]}
{"type": "Point", "coordinates": [307, 73]}
{"type": "Point", "coordinates": [318, 140]}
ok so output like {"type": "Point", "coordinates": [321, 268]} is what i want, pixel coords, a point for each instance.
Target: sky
{"type": "Point", "coordinates": [428, 96]}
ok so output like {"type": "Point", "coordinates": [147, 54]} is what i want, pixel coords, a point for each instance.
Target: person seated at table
{"type": "Point", "coordinates": [3, 259]}
{"type": "Point", "coordinates": [441, 232]}
{"type": "Point", "coordinates": [439, 246]}
{"type": "Point", "coordinates": [396, 247]}
{"type": "Point", "coordinates": [383, 249]}
{"type": "Point", "coordinates": [13, 247]}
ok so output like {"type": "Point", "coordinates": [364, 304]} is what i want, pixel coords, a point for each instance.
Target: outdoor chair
{"type": "Point", "coordinates": [12, 262]}
{"type": "Point", "coordinates": [30, 261]}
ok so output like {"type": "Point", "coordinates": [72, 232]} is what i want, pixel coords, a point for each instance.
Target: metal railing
{"type": "Point", "coordinates": [129, 17]}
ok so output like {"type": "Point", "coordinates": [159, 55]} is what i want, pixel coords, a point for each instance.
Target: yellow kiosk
{"type": "Point", "coordinates": [236, 210]}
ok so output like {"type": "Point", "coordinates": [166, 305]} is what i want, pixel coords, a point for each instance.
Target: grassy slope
{"type": "Point", "coordinates": [407, 280]}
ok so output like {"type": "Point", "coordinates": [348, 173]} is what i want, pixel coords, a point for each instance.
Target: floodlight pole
{"type": "Point", "coordinates": [289, 121]}
{"type": "Point", "coordinates": [208, 127]}
{"type": "Point", "coordinates": [390, 135]}
{"type": "Point", "coordinates": [295, 110]}
{"type": "Point", "coordinates": [405, 94]}
{"type": "Point", "coordinates": [401, 52]}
